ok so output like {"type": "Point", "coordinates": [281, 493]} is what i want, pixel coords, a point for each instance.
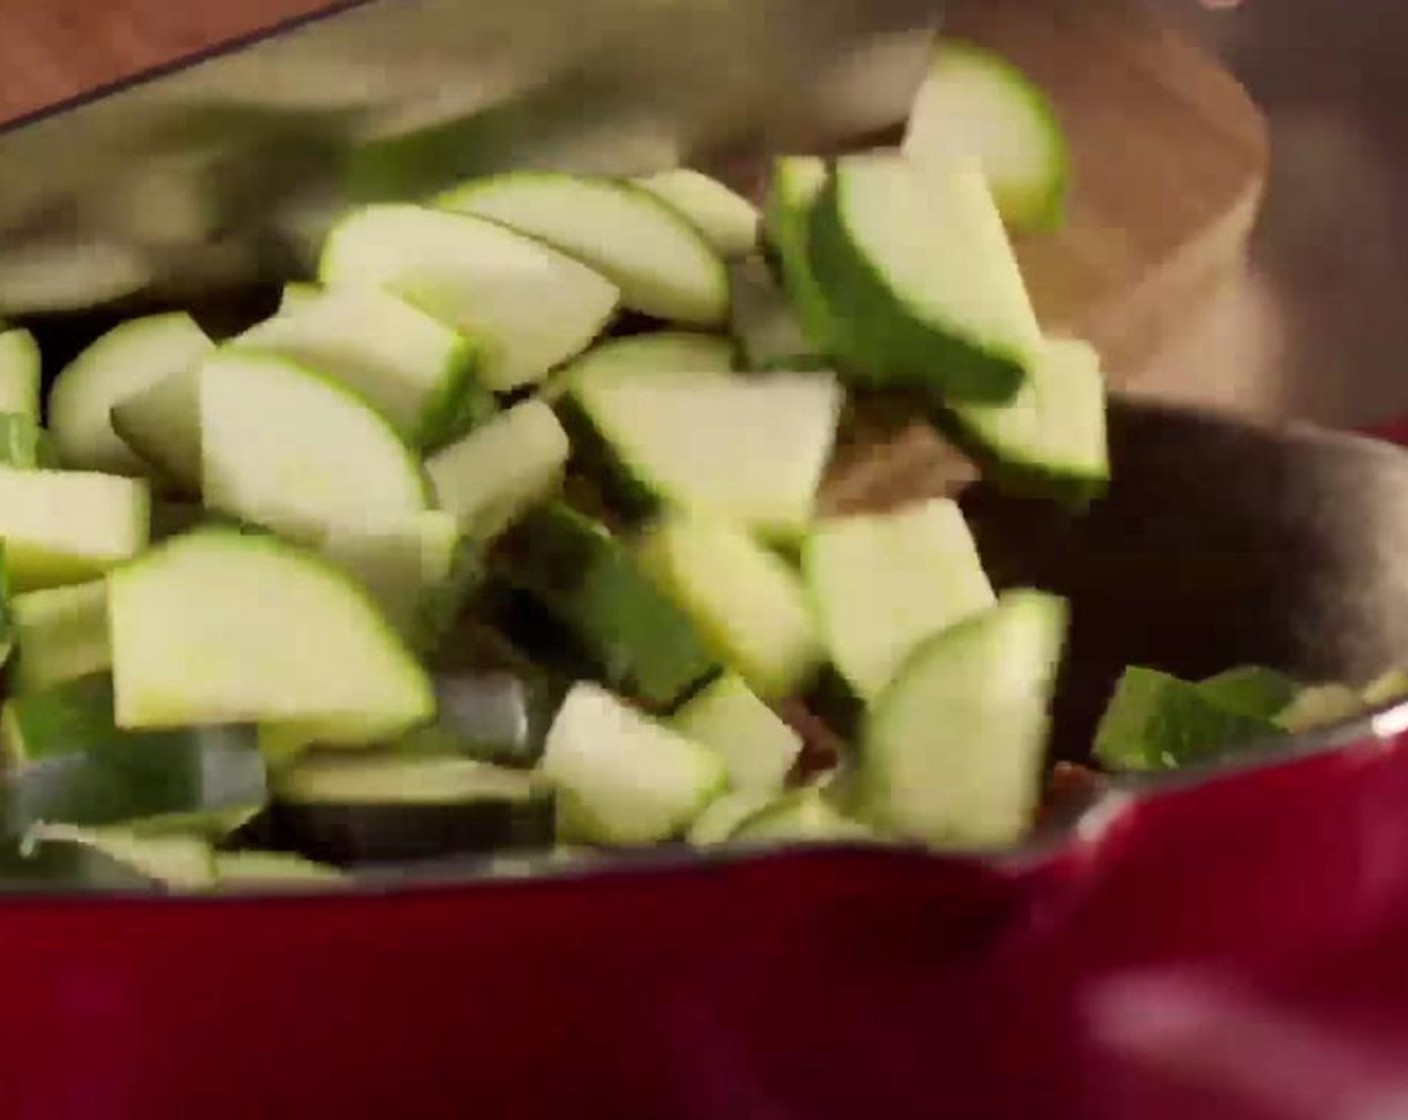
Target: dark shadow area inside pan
{"type": "Point", "coordinates": [1218, 544]}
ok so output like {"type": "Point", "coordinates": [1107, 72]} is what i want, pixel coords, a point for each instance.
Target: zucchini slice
{"type": "Point", "coordinates": [883, 583]}
{"type": "Point", "coordinates": [288, 448]}
{"type": "Point", "coordinates": [1253, 690]}
{"type": "Point", "coordinates": [443, 606]}
{"type": "Point", "coordinates": [184, 863]}
{"type": "Point", "coordinates": [728, 221]}
{"type": "Point", "coordinates": [531, 306]}
{"type": "Point", "coordinates": [657, 351]}
{"type": "Point", "coordinates": [129, 358]}
{"type": "Point", "coordinates": [161, 425]}
{"type": "Point", "coordinates": [252, 870]}
{"type": "Point", "coordinates": [974, 103]}
{"type": "Point", "coordinates": [756, 744]}
{"type": "Point", "coordinates": [68, 762]}
{"type": "Point", "coordinates": [299, 292]}
{"type": "Point", "coordinates": [744, 598]}
{"type": "Point", "coordinates": [61, 633]}
{"type": "Point", "coordinates": [1051, 435]}
{"type": "Point", "coordinates": [399, 566]}
{"type": "Point", "coordinates": [417, 372]}
{"type": "Point", "coordinates": [798, 816]}
{"type": "Point", "coordinates": [920, 269]}
{"type": "Point", "coordinates": [362, 808]}
{"type": "Point", "coordinates": [1389, 686]}
{"type": "Point", "coordinates": [64, 527]}
{"type": "Point", "coordinates": [1155, 721]}
{"type": "Point", "coordinates": [749, 450]}
{"type": "Point", "coordinates": [952, 752]}
{"type": "Point", "coordinates": [723, 816]}
{"type": "Point", "coordinates": [219, 627]}
{"type": "Point", "coordinates": [630, 634]}
{"type": "Point", "coordinates": [657, 258]}
{"type": "Point", "coordinates": [19, 373]}
{"type": "Point", "coordinates": [797, 183]}
{"type": "Point", "coordinates": [55, 866]}
{"type": "Point", "coordinates": [24, 444]}
{"type": "Point", "coordinates": [764, 323]}
{"type": "Point", "coordinates": [622, 777]}
{"type": "Point", "coordinates": [494, 475]}
{"type": "Point", "coordinates": [72, 717]}
{"type": "Point", "coordinates": [1320, 705]}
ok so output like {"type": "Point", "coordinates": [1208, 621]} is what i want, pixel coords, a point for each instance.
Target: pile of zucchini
{"type": "Point", "coordinates": [502, 533]}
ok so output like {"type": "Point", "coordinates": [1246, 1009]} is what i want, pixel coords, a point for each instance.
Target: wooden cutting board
{"type": "Point", "coordinates": [1170, 153]}
{"type": "Point", "coordinates": [1170, 162]}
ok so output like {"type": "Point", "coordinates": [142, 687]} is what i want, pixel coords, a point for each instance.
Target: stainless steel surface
{"type": "Point", "coordinates": [216, 174]}
{"type": "Point", "coordinates": [1317, 327]}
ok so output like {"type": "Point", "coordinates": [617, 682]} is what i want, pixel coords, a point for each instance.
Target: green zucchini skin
{"type": "Point", "coordinates": [73, 765]}
{"type": "Point", "coordinates": [51, 867]}
{"type": "Point", "coordinates": [886, 341]}
{"type": "Point", "coordinates": [348, 835]}
{"type": "Point", "coordinates": [348, 809]}
{"type": "Point", "coordinates": [574, 588]}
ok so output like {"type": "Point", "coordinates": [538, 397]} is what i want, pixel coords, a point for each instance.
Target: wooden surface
{"type": "Point", "coordinates": [1170, 154]}
{"type": "Point", "coordinates": [51, 50]}
{"type": "Point", "coordinates": [1170, 163]}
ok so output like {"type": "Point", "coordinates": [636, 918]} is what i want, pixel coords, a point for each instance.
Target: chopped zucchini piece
{"type": "Point", "coordinates": [1051, 435]}
{"type": "Point", "coordinates": [285, 447]}
{"type": "Point", "coordinates": [1320, 705]}
{"type": "Point", "coordinates": [633, 637]}
{"type": "Point", "coordinates": [70, 763]}
{"type": "Point", "coordinates": [1155, 721]}
{"type": "Point", "coordinates": [756, 744]}
{"type": "Point", "coordinates": [55, 866]}
{"type": "Point", "coordinates": [161, 425]}
{"type": "Point", "coordinates": [416, 371]}
{"type": "Point", "coordinates": [622, 777]}
{"type": "Point", "coordinates": [260, 871]}
{"type": "Point", "coordinates": [881, 584]}
{"type": "Point", "coordinates": [801, 815]}
{"type": "Point", "coordinates": [494, 475]}
{"type": "Point", "coordinates": [657, 258]}
{"type": "Point", "coordinates": [220, 627]}
{"type": "Point", "coordinates": [953, 750]}
{"type": "Point", "coordinates": [62, 634]}
{"type": "Point", "coordinates": [797, 183]}
{"type": "Point", "coordinates": [1253, 690]}
{"type": "Point", "coordinates": [180, 862]}
{"type": "Point", "coordinates": [531, 306]}
{"type": "Point", "coordinates": [655, 352]}
{"type": "Point", "coordinates": [399, 566]}
{"type": "Point", "coordinates": [749, 450]}
{"type": "Point", "coordinates": [975, 103]}
{"type": "Point", "coordinates": [62, 527]}
{"type": "Point", "coordinates": [126, 360]}
{"type": "Point", "coordinates": [920, 270]}
{"type": "Point", "coordinates": [728, 221]}
{"type": "Point", "coordinates": [745, 600]}
{"type": "Point", "coordinates": [358, 808]}
{"type": "Point", "coordinates": [1390, 686]}
{"type": "Point", "coordinates": [765, 324]}
{"type": "Point", "coordinates": [24, 444]}
{"type": "Point", "coordinates": [723, 816]}
{"type": "Point", "coordinates": [19, 373]}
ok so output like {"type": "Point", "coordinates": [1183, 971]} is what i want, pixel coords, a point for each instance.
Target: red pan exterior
{"type": "Point", "coordinates": [1237, 949]}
